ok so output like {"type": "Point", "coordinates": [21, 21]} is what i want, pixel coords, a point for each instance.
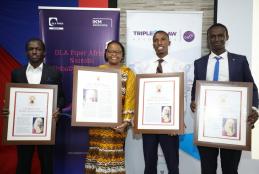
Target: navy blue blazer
{"type": "Point", "coordinates": [239, 71]}
{"type": "Point", "coordinates": [49, 76]}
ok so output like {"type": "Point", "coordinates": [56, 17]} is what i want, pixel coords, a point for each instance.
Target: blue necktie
{"type": "Point", "coordinates": [216, 69]}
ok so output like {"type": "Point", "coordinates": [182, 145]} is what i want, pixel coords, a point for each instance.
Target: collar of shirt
{"type": "Point", "coordinates": [164, 58]}
{"type": "Point", "coordinates": [223, 55]}
{"type": "Point", "coordinates": [30, 68]}
{"type": "Point", "coordinates": [223, 68]}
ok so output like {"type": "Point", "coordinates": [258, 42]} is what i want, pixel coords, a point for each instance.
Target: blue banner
{"type": "Point", "coordinates": [75, 36]}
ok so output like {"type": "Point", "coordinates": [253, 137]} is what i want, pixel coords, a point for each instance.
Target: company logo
{"type": "Point", "coordinates": [151, 33]}
{"type": "Point", "coordinates": [102, 22]}
{"type": "Point", "coordinates": [147, 35]}
{"type": "Point", "coordinates": [55, 24]}
{"type": "Point", "coordinates": [188, 36]}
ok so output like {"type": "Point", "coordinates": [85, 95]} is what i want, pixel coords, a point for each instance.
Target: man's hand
{"type": "Point", "coordinates": [5, 112]}
{"type": "Point", "coordinates": [193, 106]}
{"type": "Point", "coordinates": [252, 118]}
{"type": "Point", "coordinates": [55, 114]}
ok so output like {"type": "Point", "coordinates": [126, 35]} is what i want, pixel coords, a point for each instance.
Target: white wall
{"type": "Point", "coordinates": [255, 41]}
{"type": "Point", "coordinates": [255, 70]}
{"type": "Point", "coordinates": [241, 18]}
{"type": "Point", "coordinates": [237, 16]}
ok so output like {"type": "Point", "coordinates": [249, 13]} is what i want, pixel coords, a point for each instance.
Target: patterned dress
{"type": "Point", "coordinates": [106, 147]}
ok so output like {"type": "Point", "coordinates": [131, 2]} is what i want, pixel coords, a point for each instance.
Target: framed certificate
{"type": "Point", "coordinates": [159, 103]}
{"type": "Point", "coordinates": [30, 114]}
{"type": "Point", "coordinates": [96, 97]}
{"type": "Point", "coordinates": [222, 110]}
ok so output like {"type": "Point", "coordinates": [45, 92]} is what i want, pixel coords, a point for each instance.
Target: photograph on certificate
{"type": "Point", "coordinates": [95, 97]}
{"type": "Point", "coordinates": [30, 114]}
{"type": "Point", "coordinates": [229, 128]}
{"type": "Point", "coordinates": [159, 103]}
{"type": "Point", "coordinates": [166, 112]}
{"type": "Point", "coordinates": [222, 114]}
{"type": "Point", "coordinates": [38, 125]}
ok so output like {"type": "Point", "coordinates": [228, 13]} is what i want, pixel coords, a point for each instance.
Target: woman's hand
{"type": "Point", "coordinates": [121, 128]}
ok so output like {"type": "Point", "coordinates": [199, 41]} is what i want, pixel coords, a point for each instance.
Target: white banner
{"type": "Point", "coordinates": [185, 32]}
{"type": "Point", "coordinates": [255, 141]}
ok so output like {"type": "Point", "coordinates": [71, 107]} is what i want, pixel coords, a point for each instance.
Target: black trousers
{"type": "Point", "coordinates": [170, 148]}
{"type": "Point", "coordinates": [229, 160]}
{"type": "Point", "coordinates": [25, 154]}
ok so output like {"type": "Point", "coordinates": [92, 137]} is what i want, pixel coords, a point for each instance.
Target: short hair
{"type": "Point", "coordinates": [112, 42]}
{"type": "Point", "coordinates": [35, 39]}
{"type": "Point", "coordinates": [160, 31]}
{"type": "Point", "coordinates": [217, 25]}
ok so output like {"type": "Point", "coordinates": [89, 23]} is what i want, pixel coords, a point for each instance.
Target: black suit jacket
{"type": "Point", "coordinates": [239, 71]}
{"type": "Point", "coordinates": [49, 76]}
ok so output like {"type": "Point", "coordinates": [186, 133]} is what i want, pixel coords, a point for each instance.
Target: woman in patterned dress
{"type": "Point", "coordinates": [106, 145]}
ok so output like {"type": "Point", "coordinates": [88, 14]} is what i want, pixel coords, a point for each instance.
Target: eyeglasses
{"type": "Point", "coordinates": [114, 51]}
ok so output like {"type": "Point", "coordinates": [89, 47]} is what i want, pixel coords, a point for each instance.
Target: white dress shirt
{"type": "Point", "coordinates": [223, 67]}
{"type": "Point", "coordinates": [168, 65]}
{"type": "Point", "coordinates": [34, 74]}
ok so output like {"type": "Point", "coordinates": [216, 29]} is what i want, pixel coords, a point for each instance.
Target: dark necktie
{"type": "Point", "coordinates": [159, 68]}
{"type": "Point", "coordinates": [216, 69]}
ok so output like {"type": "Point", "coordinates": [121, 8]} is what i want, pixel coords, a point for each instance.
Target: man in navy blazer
{"type": "Point", "coordinates": [36, 72]}
{"type": "Point", "coordinates": [233, 67]}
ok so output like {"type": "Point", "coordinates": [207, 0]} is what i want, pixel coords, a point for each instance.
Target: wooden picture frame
{"type": "Point", "coordinates": [221, 115]}
{"type": "Point", "coordinates": [159, 103]}
{"type": "Point", "coordinates": [30, 119]}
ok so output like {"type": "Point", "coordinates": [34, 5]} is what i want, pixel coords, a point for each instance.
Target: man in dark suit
{"type": "Point", "coordinates": [36, 72]}
{"type": "Point", "coordinates": [233, 67]}
{"type": "Point", "coordinates": [161, 63]}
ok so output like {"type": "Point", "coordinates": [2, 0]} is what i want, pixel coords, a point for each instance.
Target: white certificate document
{"type": "Point", "coordinates": [96, 98]}
{"type": "Point", "coordinates": [159, 101]}
{"type": "Point", "coordinates": [30, 115]}
{"type": "Point", "coordinates": [222, 115]}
